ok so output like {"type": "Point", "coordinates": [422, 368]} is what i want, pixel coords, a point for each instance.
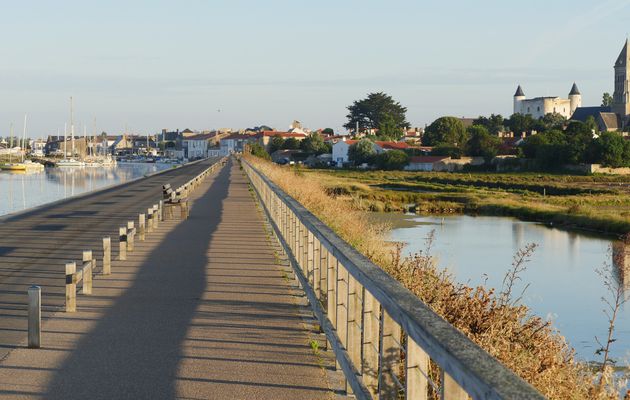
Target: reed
{"type": "Point", "coordinates": [497, 321]}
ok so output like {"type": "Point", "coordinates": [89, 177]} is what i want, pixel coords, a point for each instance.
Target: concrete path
{"type": "Point", "coordinates": [35, 245]}
{"type": "Point", "coordinates": [201, 310]}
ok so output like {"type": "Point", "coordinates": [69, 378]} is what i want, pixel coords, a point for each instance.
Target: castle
{"type": "Point", "coordinates": [538, 107]}
{"type": "Point", "coordinates": [609, 118]}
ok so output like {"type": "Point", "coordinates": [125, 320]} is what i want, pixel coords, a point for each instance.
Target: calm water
{"type": "Point", "coordinates": [564, 286]}
{"type": "Point", "coordinates": [20, 191]}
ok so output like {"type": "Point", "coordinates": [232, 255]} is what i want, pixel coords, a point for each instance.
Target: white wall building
{"type": "Point", "coordinates": [538, 107]}
{"type": "Point", "coordinates": [196, 146]}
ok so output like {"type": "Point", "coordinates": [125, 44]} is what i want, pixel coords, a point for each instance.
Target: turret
{"type": "Point", "coordinates": [519, 96]}
{"type": "Point", "coordinates": [575, 97]}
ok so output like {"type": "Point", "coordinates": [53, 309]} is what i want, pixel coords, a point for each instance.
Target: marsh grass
{"type": "Point", "coordinates": [496, 321]}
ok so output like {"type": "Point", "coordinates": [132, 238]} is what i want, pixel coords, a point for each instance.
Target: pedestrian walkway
{"type": "Point", "coordinates": [201, 310]}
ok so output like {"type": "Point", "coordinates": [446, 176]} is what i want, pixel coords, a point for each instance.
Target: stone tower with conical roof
{"type": "Point", "coordinates": [519, 96]}
{"type": "Point", "coordinates": [575, 98]}
{"type": "Point", "coordinates": [621, 96]}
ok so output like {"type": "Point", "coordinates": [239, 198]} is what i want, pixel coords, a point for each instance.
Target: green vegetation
{"type": "Point", "coordinates": [493, 319]}
{"type": "Point", "coordinates": [599, 203]}
{"type": "Point", "coordinates": [378, 111]}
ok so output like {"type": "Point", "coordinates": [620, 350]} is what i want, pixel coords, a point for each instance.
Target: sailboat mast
{"type": "Point", "coordinates": [65, 140]}
{"type": "Point", "coordinates": [24, 139]}
{"type": "Point", "coordinates": [11, 142]}
{"type": "Point", "coordinates": [72, 125]}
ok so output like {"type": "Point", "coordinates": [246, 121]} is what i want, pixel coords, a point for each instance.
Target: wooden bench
{"type": "Point", "coordinates": [172, 199]}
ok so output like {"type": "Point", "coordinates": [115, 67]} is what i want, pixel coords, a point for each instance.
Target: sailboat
{"type": "Point", "coordinates": [23, 165]}
{"type": "Point", "coordinates": [70, 162]}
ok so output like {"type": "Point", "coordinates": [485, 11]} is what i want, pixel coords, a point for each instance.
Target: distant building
{"type": "Point", "coordinates": [265, 137]}
{"type": "Point", "coordinates": [538, 107]}
{"type": "Point", "coordinates": [617, 116]}
{"type": "Point", "coordinates": [196, 146]}
{"type": "Point", "coordinates": [235, 143]}
{"type": "Point", "coordinates": [621, 95]}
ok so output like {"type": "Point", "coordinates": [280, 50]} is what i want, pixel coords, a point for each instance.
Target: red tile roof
{"type": "Point", "coordinates": [393, 145]}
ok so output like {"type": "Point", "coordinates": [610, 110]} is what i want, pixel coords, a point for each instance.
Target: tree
{"type": "Point", "coordinates": [291, 144]}
{"type": "Point", "coordinates": [482, 143]}
{"type": "Point", "coordinates": [553, 121]}
{"type": "Point", "coordinates": [613, 150]}
{"type": "Point", "coordinates": [313, 144]}
{"type": "Point", "coordinates": [519, 123]}
{"type": "Point", "coordinates": [276, 143]}
{"type": "Point", "coordinates": [361, 152]}
{"type": "Point", "coordinates": [388, 130]}
{"type": "Point", "coordinates": [607, 100]}
{"type": "Point", "coordinates": [391, 160]}
{"type": "Point", "coordinates": [549, 149]}
{"type": "Point", "coordinates": [328, 131]}
{"type": "Point", "coordinates": [579, 138]}
{"type": "Point", "coordinates": [494, 124]}
{"type": "Point", "coordinates": [370, 111]}
{"type": "Point", "coordinates": [258, 150]}
{"type": "Point", "coordinates": [447, 131]}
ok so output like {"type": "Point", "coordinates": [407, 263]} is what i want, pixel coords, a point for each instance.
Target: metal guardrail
{"type": "Point", "coordinates": [382, 334]}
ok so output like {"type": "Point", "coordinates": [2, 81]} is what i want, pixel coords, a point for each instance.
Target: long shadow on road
{"type": "Point", "coordinates": [134, 350]}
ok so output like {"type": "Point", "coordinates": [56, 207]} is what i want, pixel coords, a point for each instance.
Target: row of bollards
{"type": "Point", "coordinates": [146, 224]}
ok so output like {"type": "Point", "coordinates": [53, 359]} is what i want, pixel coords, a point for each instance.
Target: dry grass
{"type": "Point", "coordinates": [526, 344]}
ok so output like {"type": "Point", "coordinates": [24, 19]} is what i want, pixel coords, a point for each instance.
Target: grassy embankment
{"type": "Point", "coordinates": [493, 319]}
{"type": "Point", "coordinates": [597, 203]}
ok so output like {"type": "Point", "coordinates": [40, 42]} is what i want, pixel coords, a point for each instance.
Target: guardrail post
{"type": "Point", "coordinates": [390, 356]}
{"type": "Point", "coordinates": [122, 239]}
{"type": "Point", "coordinates": [107, 255]}
{"type": "Point", "coordinates": [71, 287]}
{"type": "Point", "coordinates": [323, 273]}
{"type": "Point", "coordinates": [131, 233]}
{"type": "Point", "coordinates": [87, 272]}
{"type": "Point", "coordinates": [451, 390]}
{"type": "Point", "coordinates": [331, 291]}
{"type": "Point", "coordinates": [310, 257]}
{"type": "Point", "coordinates": [161, 210]}
{"type": "Point", "coordinates": [371, 323]}
{"type": "Point", "coordinates": [141, 225]}
{"type": "Point", "coordinates": [149, 220]}
{"type": "Point", "coordinates": [355, 318]}
{"type": "Point", "coordinates": [417, 372]}
{"type": "Point", "coordinates": [34, 317]}
{"type": "Point", "coordinates": [156, 217]}
{"type": "Point", "coordinates": [317, 259]}
{"type": "Point", "coordinates": [342, 310]}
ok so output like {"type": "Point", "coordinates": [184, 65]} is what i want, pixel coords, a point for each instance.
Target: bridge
{"type": "Point", "coordinates": [250, 296]}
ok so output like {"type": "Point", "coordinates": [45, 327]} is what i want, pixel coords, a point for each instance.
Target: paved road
{"type": "Point", "coordinates": [202, 310]}
{"type": "Point", "coordinates": [35, 245]}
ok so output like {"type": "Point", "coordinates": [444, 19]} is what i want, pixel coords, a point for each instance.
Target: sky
{"type": "Point", "coordinates": [149, 65]}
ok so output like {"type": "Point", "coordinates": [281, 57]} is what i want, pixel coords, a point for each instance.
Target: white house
{"type": "Point", "coordinates": [234, 143]}
{"type": "Point", "coordinates": [196, 146]}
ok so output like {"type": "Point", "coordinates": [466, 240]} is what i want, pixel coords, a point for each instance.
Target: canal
{"type": "Point", "coordinates": [21, 191]}
{"type": "Point", "coordinates": [564, 286]}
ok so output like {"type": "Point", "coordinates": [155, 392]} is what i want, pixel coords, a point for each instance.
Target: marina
{"type": "Point", "coordinates": [27, 189]}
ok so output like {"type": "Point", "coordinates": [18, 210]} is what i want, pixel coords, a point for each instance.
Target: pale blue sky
{"type": "Point", "coordinates": [159, 64]}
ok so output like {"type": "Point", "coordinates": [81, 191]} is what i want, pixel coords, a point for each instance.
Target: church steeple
{"type": "Point", "coordinates": [621, 96]}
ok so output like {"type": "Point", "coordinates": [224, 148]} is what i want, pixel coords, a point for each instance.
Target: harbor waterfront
{"type": "Point", "coordinates": [20, 191]}
{"type": "Point", "coordinates": [562, 283]}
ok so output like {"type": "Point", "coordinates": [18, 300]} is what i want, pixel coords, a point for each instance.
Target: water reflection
{"type": "Point", "coordinates": [20, 191]}
{"type": "Point", "coordinates": [564, 286]}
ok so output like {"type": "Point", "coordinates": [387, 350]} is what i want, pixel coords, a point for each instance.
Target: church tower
{"type": "Point", "coordinates": [621, 96]}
